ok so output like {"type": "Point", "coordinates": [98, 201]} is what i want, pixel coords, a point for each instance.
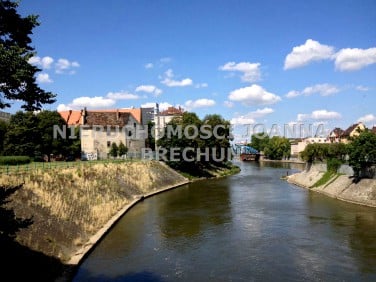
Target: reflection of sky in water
{"type": "Point", "coordinates": [251, 226]}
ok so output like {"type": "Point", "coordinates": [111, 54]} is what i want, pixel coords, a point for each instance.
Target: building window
{"type": "Point", "coordinates": [129, 133]}
{"type": "Point", "coordinates": [108, 144]}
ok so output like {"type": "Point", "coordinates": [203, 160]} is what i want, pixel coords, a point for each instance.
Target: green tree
{"type": "Point", "coordinates": [219, 136]}
{"type": "Point", "coordinates": [46, 120]}
{"type": "Point", "coordinates": [114, 150]}
{"type": "Point", "coordinates": [3, 131]}
{"type": "Point", "coordinates": [122, 149]}
{"type": "Point", "coordinates": [31, 135]}
{"type": "Point", "coordinates": [150, 140]}
{"type": "Point", "coordinates": [278, 148]}
{"type": "Point", "coordinates": [17, 76]}
{"type": "Point", "coordinates": [362, 153]}
{"type": "Point", "coordinates": [22, 137]}
{"type": "Point", "coordinates": [259, 141]}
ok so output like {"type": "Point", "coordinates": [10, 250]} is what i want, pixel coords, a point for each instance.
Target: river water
{"type": "Point", "coordinates": [252, 226]}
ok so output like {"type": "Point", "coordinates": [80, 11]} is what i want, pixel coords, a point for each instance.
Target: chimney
{"type": "Point", "coordinates": [117, 114]}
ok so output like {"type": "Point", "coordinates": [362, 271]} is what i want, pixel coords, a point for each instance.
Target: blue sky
{"type": "Point", "coordinates": [272, 62]}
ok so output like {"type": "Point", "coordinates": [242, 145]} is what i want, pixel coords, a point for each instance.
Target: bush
{"type": "Point", "coordinates": [14, 160]}
{"type": "Point", "coordinates": [333, 165]}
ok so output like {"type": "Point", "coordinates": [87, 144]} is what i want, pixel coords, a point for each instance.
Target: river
{"type": "Point", "coordinates": [252, 226]}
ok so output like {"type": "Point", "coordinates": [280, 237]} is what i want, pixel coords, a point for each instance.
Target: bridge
{"type": "Point", "coordinates": [246, 153]}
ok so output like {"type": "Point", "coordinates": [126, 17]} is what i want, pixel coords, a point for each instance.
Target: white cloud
{"type": "Point", "coordinates": [367, 118]}
{"type": "Point", "coordinates": [361, 88]}
{"type": "Point", "coordinates": [44, 62]}
{"type": "Point", "coordinates": [162, 106]}
{"type": "Point", "coordinates": [66, 66]}
{"type": "Point", "coordinates": [253, 95]}
{"type": "Point", "coordinates": [63, 107]}
{"type": "Point", "coordinates": [201, 85]}
{"type": "Point", "coordinates": [251, 71]}
{"type": "Point", "coordinates": [351, 59]}
{"type": "Point", "coordinates": [199, 103]}
{"type": "Point", "coordinates": [92, 102]}
{"type": "Point", "coordinates": [149, 89]}
{"type": "Point", "coordinates": [122, 95]}
{"type": "Point", "coordinates": [44, 78]}
{"type": "Point", "coordinates": [251, 117]}
{"type": "Point", "coordinates": [292, 94]}
{"type": "Point", "coordinates": [149, 66]}
{"type": "Point", "coordinates": [242, 120]}
{"type": "Point", "coordinates": [228, 104]}
{"type": "Point", "coordinates": [319, 115]}
{"type": "Point", "coordinates": [324, 89]}
{"type": "Point", "coordinates": [170, 82]}
{"type": "Point", "coordinates": [304, 54]}
{"type": "Point", "coordinates": [165, 60]}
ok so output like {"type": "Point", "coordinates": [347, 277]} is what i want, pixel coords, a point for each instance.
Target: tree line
{"type": "Point", "coordinates": [359, 153]}
{"type": "Point", "coordinates": [214, 149]}
{"type": "Point", "coordinates": [31, 134]}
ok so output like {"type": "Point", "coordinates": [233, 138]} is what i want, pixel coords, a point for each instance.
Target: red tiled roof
{"type": "Point", "coordinates": [104, 118]}
{"type": "Point", "coordinates": [71, 117]}
{"type": "Point", "coordinates": [172, 111]}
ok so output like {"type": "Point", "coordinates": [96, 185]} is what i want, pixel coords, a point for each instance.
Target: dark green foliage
{"type": "Point", "coordinates": [150, 140]}
{"type": "Point", "coordinates": [322, 152]}
{"type": "Point", "coordinates": [122, 149]}
{"type": "Point", "coordinates": [114, 151]}
{"type": "Point", "coordinates": [17, 76]}
{"type": "Point", "coordinates": [259, 141]}
{"type": "Point", "coordinates": [31, 135]}
{"type": "Point", "coordinates": [362, 153]}
{"type": "Point", "coordinates": [333, 165]}
{"type": "Point", "coordinates": [277, 148]}
{"type": "Point", "coordinates": [3, 130]}
{"type": "Point", "coordinates": [14, 160]}
{"type": "Point", "coordinates": [196, 165]}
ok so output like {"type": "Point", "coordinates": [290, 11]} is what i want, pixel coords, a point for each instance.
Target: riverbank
{"type": "Point", "coordinates": [338, 186]}
{"type": "Point", "coordinates": [72, 209]}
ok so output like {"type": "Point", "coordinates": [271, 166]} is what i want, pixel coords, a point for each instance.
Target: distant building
{"type": "Point", "coordinates": [373, 130]}
{"type": "Point", "coordinates": [353, 131]}
{"type": "Point", "coordinates": [162, 118]}
{"type": "Point", "coordinates": [5, 116]}
{"type": "Point", "coordinates": [101, 128]}
{"type": "Point", "coordinates": [335, 135]}
{"type": "Point", "coordinates": [298, 147]}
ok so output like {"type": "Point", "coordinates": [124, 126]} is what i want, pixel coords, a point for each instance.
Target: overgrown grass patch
{"type": "Point", "coordinates": [324, 179]}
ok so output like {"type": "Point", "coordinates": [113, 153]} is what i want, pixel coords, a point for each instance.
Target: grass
{"type": "Point", "coordinates": [325, 178]}
{"type": "Point", "coordinates": [25, 168]}
{"type": "Point", "coordinates": [68, 205]}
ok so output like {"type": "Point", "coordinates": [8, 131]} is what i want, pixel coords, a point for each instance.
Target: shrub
{"type": "Point", "coordinates": [14, 160]}
{"type": "Point", "coordinates": [333, 165]}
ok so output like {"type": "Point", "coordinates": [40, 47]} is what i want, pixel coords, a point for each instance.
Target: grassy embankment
{"type": "Point", "coordinates": [68, 203]}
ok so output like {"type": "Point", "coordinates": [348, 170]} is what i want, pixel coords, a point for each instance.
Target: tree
{"type": "Point", "coordinates": [3, 130]}
{"type": "Point", "coordinates": [362, 153]}
{"type": "Point", "coordinates": [17, 76]}
{"type": "Point", "coordinates": [22, 137]}
{"type": "Point", "coordinates": [259, 141]}
{"type": "Point", "coordinates": [46, 120]}
{"type": "Point", "coordinates": [220, 135]}
{"type": "Point", "coordinates": [150, 140]}
{"type": "Point", "coordinates": [114, 150]}
{"type": "Point", "coordinates": [31, 135]}
{"type": "Point", "coordinates": [122, 149]}
{"type": "Point", "coordinates": [278, 148]}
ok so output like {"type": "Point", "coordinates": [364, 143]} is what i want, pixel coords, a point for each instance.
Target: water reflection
{"type": "Point", "coordinates": [252, 226]}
